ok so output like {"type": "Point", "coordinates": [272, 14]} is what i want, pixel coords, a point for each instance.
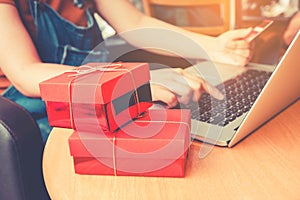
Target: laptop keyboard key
{"type": "Point", "coordinates": [240, 92]}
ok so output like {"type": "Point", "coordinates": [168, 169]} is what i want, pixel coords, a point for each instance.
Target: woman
{"type": "Point", "coordinates": [42, 38]}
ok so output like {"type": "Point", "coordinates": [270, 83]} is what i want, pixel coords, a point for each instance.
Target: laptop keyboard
{"type": "Point", "coordinates": [240, 94]}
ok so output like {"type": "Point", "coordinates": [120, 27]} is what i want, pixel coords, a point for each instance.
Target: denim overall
{"type": "Point", "coordinates": [59, 41]}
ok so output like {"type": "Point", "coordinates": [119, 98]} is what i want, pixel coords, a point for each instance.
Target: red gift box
{"type": "Point", "coordinates": [153, 145]}
{"type": "Point", "coordinates": [97, 96]}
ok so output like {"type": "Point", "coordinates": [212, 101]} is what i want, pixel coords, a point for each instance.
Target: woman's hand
{"type": "Point", "coordinates": [231, 47]}
{"type": "Point", "coordinates": [173, 86]}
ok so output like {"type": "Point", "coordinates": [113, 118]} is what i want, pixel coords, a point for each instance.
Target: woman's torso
{"type": "Point", "coordinates": [65, 8]}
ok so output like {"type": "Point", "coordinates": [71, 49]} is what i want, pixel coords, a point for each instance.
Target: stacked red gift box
{"type": "Point", "coordinates": [115, 132]}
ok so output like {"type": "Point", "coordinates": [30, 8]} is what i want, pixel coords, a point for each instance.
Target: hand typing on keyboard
{"type": "Point", "coordinates": [240, 94]}
{"type": "Point", "coordinates": [173, 86]}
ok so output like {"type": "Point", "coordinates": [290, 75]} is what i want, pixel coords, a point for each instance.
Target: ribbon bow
{"type": "Point", "coordinates": [85, 69]}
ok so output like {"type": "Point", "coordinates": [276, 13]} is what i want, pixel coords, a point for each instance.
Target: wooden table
{"type": "Point", "coordinates": [266, 165]}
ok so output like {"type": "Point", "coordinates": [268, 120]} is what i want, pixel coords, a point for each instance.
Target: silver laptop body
{"type": "Point", "coordinates": [280, 90]}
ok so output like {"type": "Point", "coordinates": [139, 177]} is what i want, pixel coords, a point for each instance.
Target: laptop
{"type": "Point", "coordinates": [253, 95]}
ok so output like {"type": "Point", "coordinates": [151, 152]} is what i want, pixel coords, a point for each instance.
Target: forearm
{"type": "Point", "coordinates": [27, 78]}
{"type": "Point", "coordinates": [143, 31]}
{"type": "Point", "coordinates": [166, 37]}
{"type": "Point", "coordinates": [18, 57]}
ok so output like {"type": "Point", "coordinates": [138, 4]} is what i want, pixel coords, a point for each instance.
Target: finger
{"type": "Point", "coordinates": [237, 44]}
{"type": "Point", "coordinates": [179, 70]}
{"type": "Point", "coordinates": [187, 87]}
{"type": "Point", "coordinates": [182, 90]}
{"type": "Point", "coordinates": [240, 57]}
{"type": "Point", "coordinates": [169, 79]}
{"type": "Point", "coordinates": [240, 33]}
{"type": "Point", "coordinates": [241, 60]}
{"type": "Point", "coordinates": [242, 52]}
{"type": "Point", "coordinates": [185, 99]}
{"type": "Point", "coordinates": [160, 93]}
{"type": "Point", "coordinates": [195, 83]}
{"type": "Point", "coordinates": [213, 91]}
{"type": "Point", "coordinates": [177, 84]}
{"type": "Point", "coordinates": [198, 85]}
{"type": "Point", "coordinates": [238, 39]}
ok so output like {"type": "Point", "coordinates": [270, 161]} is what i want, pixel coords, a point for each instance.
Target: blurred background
{"type": "Point", "coordinates": [214, 17]}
